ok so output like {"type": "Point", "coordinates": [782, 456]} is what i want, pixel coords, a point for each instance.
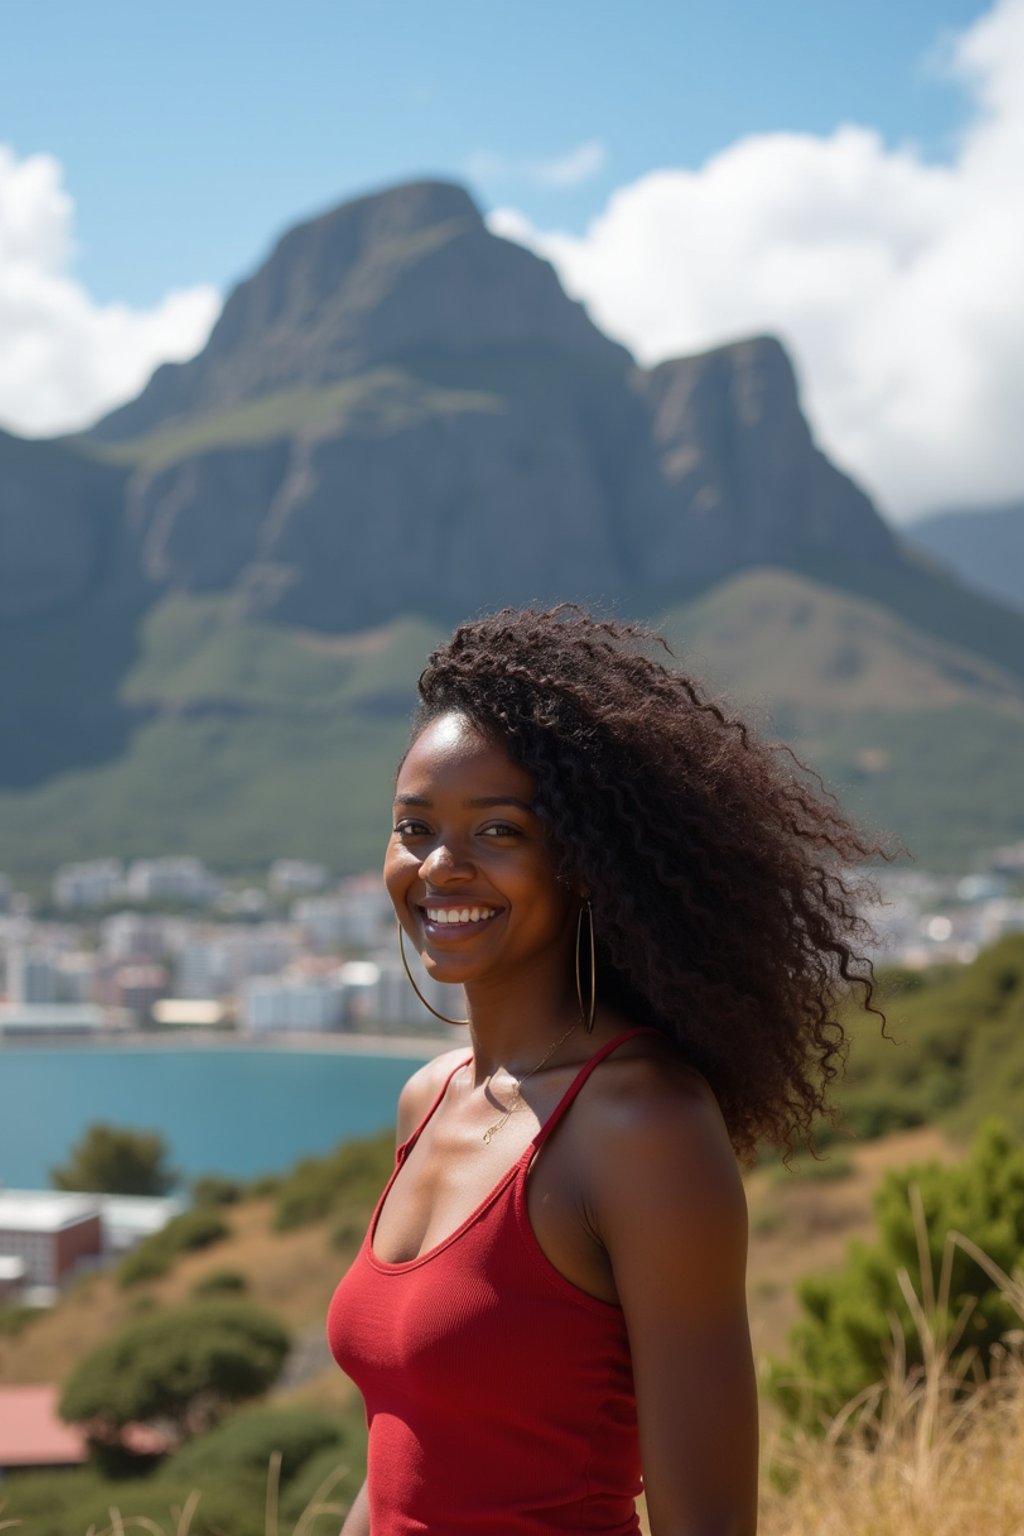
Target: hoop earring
{"type": "Point", "coordinates": [412, 983]}
{"type": "Point", "coordinates": [586, 1013]}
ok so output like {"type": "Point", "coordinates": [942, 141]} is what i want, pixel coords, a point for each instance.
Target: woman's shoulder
{"type": "Point", "coordinates": [423, 1087]}
{"type": "Point", "coordinates": [649, 1109]}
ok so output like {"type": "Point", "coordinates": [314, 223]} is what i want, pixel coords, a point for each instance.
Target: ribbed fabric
{"type": "Point", "coordinates": [499, 1396]}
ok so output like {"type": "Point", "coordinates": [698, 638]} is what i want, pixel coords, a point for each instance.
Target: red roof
{"type": "Point", "coordinates": [31, 1434]}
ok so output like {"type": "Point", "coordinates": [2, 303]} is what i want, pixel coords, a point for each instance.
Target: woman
{"type": "Point", "coordinates": [647, 911]}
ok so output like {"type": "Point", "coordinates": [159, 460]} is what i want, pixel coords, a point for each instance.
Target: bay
{"type": "Point", "coordinates": [235, 1111]}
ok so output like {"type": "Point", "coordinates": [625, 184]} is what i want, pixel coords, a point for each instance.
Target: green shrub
{"type": "Point", "coordinates": [14, 1318]}
{"type": "Point", "coordinates": [348, 1233]}
{"type": "Point", "coordinates": [331, 1478]}
{"type": "Point", "coordinates": [954, 1052]}
{"type": "Point", "coordinates": [115, 1161]}
{"type": "Point", "coordinates": [221, 1282]}
{"type": "Point", "coordinates": [352, 1175]}
{"type": "Point", "coordinates": [217, 1189]}
{"type": "Point", "coordinates": [843, 1344]}
{"type": "Point", "coordinates": [264, 1184]}
{"type": "Point", "coordinates": [244, 1443]}
{"type": "Point", "coordinates": [184, 1366]}
{"type": "Point", "coordinates": [155, 1254]}
{"type": "Point", "coordinates": [222, 1505]}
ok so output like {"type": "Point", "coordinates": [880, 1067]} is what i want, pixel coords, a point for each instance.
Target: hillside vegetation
{"type": "Point", "coordinates": [283, 1244]}
{"type": "Point", "coordinates": [250, 740]}
{"type": "Point", "coordinates": [954, 1053]}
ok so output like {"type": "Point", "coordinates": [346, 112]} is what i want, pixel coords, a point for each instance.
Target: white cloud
{"type": "Point", "coordinates": [896, 283]}
{"type": "Point", "coordinates": [65, 359]}
{"type": "Point", "coordinates": [569, 170]}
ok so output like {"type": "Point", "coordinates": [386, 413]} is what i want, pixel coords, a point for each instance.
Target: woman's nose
{"type": "Point", "coordinates": [445, 861]}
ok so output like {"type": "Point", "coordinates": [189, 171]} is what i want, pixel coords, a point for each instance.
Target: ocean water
{"type": "Point", "coordinates": [232, 1111]}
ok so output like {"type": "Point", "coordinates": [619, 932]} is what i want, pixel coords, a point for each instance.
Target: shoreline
{"type": "Point", "coordinates": [411, 1047]}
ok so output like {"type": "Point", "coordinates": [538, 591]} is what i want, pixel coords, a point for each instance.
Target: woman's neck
{"type": "Point", "coordinates": [513, 1023]}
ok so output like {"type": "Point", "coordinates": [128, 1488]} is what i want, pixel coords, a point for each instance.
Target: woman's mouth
{"type": "Point", "coordinates": [453, 922]}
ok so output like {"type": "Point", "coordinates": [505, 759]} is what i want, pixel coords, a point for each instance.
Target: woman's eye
{"type": "Point", "coordinates": [501, 829]}
{"type": "Point", "coordinates": [410, 829]}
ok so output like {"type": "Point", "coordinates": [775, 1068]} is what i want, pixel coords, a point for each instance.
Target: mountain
{"type": "Point", "coordinates": [251, 739]}
{"type": "Point", "coordinates": [400, 419]}
{"type": "Point", "coordinates": [400, 412]}
{"type": "Point", "coordinates": [983, 546]}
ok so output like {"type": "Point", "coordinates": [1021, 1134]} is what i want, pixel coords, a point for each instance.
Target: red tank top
{"type": "Point", "coordinates": [499, 1396]}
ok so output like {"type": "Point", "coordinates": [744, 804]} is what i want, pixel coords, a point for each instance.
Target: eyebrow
{"type": "Point", "coordinates": [481, 802]}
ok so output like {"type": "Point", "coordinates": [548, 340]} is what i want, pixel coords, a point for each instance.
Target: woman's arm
{"type": "Point", "coordinates": [670, 1210]}
{"type": "Point", "coordinates": [357, 1521]}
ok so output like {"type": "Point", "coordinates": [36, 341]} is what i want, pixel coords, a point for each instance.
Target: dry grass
{"type": "Point", "coordinates": [954, 1474]}
{"type": "Point", "coordinates": [925, 1453]}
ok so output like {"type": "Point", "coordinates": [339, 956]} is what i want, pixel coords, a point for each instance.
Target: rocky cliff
{"type": "Point", "coordinates": [400, 413]}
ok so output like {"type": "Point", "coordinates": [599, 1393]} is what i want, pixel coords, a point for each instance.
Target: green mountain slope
{"type": "Point", "coordinates": [955, 1052]}
{"type": "Point", "coordinates": [251, 741]}
{"type": "Point", "coordinates": [918, 737]}
{"type": "Point", "coordinates": [248, 740]}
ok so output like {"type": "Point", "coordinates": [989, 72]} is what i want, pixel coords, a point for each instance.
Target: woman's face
{"type": "Point", "coordinates": [469, 868]}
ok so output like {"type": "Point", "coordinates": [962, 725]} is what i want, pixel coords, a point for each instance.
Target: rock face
{"type": "Point", "coordinates": [59, 526]}
{"type": "Point", "coordinates": [400, 412]}
{"type": "Point", "coordinates": [739, 478]}
{"type": "Point", "coordinates": [412, 270]}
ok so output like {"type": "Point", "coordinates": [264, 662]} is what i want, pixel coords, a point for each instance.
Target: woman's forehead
{"type": "Point", "coordinates": [452, 752]}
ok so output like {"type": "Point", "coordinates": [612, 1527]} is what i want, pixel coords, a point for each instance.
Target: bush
{"type": "Point", "coordinates": [217, 1189]}
{"type": "Point", "coordinates": [14, 1318]}
{"type": "Point", "coordinates": [264, 1184]}
{"type": "Point", "coordinates": [244, 1444]}
{"type": "Point", "coordinates": [184, 1366]}
{"type": "Point", "coordinates": [954, 1052]}
{"type": "Point", "coordinates": [220, 1506]}
{"type": "Point", "coordinates": [221, 1282]}
{"type": "Point", "coordinates": [348, 1233]}
{"type": "Point", "coordinates": [183, 1234]}
{"type": "Point", "coordinates": [353, 1175]}
{"type": "Point", "coordinates": [331, 1478]}
{"type": "Point", "coordinates": [114, 1161]}
{"type": "Point", "coordinates": [844, 1343]}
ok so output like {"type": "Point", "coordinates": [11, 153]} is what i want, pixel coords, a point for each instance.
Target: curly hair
{"type": "Point", "coordinates": [724, 908]}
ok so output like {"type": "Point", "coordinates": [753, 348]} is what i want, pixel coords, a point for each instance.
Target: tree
{"type": "Point", "coordinates": [114, 1161]}
{"type": "Point", "coordinates": [184, 1367]}
{"type": "Point", "coordinates": [845, 1341]}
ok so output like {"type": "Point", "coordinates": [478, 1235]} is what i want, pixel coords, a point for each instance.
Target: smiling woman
{"type": "Point", "coordinates": [649, 914]}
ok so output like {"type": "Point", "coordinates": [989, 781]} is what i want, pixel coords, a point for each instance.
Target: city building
{"type": "Point", "coordinates": [52, 1232]}
{"type": "Point", "coordinates": [286, 1004]}
{"type": "Point", "coordinates": [184, 881]}
{"type": "Point", "coordinates": [294, 877]}
{"type": "Point", "coordinates": [91, 885]}
{"type": "Point", "coordinates": [393, 1001]}
{"type": "Point", "coordinates": [27, 1020]}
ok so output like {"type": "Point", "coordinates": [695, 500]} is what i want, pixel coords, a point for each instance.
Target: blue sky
{"type": "Point", "coordinates": [191, 133]}
{"type": "Point", "coordinates": [845, 176]}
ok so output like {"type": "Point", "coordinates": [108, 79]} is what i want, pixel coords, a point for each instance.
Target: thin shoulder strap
{"type": "Point", "coordinates": [577, 1083]}
{"type": "Point", "coordinates": [414, 1137]}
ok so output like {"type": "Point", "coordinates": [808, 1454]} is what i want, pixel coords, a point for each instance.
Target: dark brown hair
{"type": "Point", "coordinates": [724, 905]}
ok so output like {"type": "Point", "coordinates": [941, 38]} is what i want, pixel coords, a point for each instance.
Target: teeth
{"type": "Point", "coordinates": [457, 915]}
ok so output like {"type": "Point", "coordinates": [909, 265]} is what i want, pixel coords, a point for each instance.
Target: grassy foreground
{"type": "Point", "coordinates": [920, 1463]}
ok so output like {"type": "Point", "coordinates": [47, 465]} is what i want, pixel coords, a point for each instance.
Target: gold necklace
{"type": "Point", "coordinates": [517, 1083]}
